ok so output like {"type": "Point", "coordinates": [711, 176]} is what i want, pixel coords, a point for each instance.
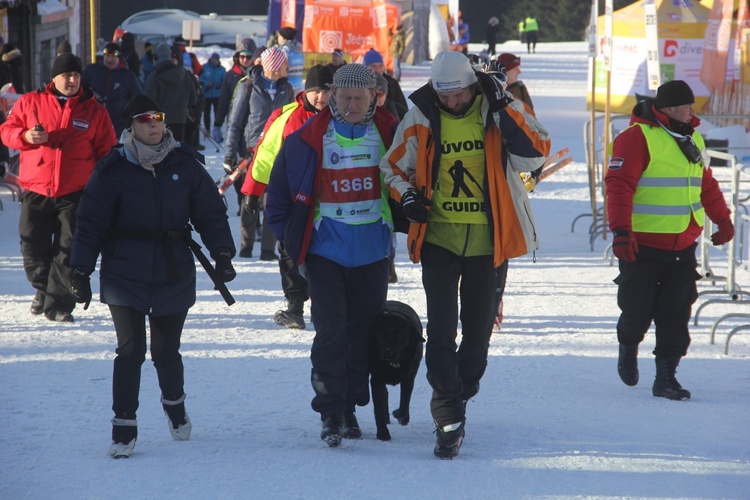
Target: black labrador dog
{"type": "Point", "coordinates": [395, 354]}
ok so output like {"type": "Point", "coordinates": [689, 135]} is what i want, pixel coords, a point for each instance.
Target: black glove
{"type": "Point", "coordinates": [250, 205]}
{"type": "Point", "coordinates": [230, 163]}
{"type": "Point", "coordinates": [80, 288]}
{"type": "Point", "coordinates": [414, 206]}
{"type": "Point", "coordinates": [493, 88]}
{"type": "Point", "coordinates": [224, 269]}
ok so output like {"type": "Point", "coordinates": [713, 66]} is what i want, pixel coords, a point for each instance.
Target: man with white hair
{"type": "Point", "coordinates": [327, 204]}
{"type": "Point", "coordinates": [454, 167]}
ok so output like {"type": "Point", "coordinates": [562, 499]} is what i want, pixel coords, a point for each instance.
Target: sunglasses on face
{"type": "Point", "coordinates": [246, 56]}
{"type": "Point", "coordinates": [149, 117]}
{"type": "Point", "coordinates": [111, 52]}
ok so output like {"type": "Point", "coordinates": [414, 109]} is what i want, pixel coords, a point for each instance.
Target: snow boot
{"type": "Point", "coordinates": [292, 316]}
{"type": "Point", "coordinates": [331, 430]}
{"type": "Point", "coordinates": [665, 385]}
{"type": "Point", "coordinates": [351, 428]}
{"type": "Point", "coordinates": [627, 364]}
{"type": "Point", "coordinates": [177, 418]}
{"type": "Point", "coordinates": [449, 439]}
{"type": "Point", "coordinates": [124, 435]}
{"type": "Point", "coordinates": [37, 305]}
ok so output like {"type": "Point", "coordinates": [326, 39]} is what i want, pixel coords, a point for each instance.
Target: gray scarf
{"type": "Point", "coordinates": [148, 156]}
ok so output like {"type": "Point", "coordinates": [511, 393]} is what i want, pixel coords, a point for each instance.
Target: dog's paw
{"type": "Point", "coordinates": [401, 417]}
{"type": "Point", "coordinates": [384, 435]}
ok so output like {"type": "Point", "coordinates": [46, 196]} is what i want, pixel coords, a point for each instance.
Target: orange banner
{"type": "Point", "coordinates": [716, 46]}
{"type": "Point", "coordinates": [288, 13]}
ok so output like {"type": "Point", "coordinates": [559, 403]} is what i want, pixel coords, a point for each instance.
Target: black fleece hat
{"type": "Point", "coordinates": [137, 105]}
{"type": "Point", "coordinates": [319, 77]}
{"type": "Point", "coordinates": [288, 32]}
{"type": "Point", "coordinates": [66, 63]}
{"type": "Point", "coordinates": [674, 93]}
{"type": "Point", "coordinates": [112, 46]}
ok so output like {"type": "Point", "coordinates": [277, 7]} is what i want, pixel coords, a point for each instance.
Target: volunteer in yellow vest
{"type": "Point", "coordinates": [282, 122]}
{"type": "Point", "coordinates": [659, 190]}
{"type": "Point", "coordinates": [531, 30]}
{"type": "Point", "coordinates": [327, 203]}
{"type": "Point", "coordinates": [463, 144]}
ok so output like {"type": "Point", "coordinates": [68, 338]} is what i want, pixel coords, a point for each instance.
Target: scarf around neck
{"type": "Point", "coordinates": [145, 155]}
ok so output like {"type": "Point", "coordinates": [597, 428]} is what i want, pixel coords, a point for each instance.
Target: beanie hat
{"type": "Point", "coordinates": [259, 52]}
{"type": "Point", "coordinates": [354, 76]}
{"type": "Point", "coordinates": [509, 60]}
{"type": "Point", "coordinates": [319, 77]}
{"type": "Point", "coordinates": [63, 47]}
{"type": "Point", "coordinates": [137, 105]}
{"type": "Point", "coordinates": [674, 93]}
{"type": "Point", "coordinates": [288, 33]}
{"type": "Point", "coordinates": [246, 45]}
{"type": "Point", "coordinates": [371, 57]}
{"type": "Point", "coordinates": [273, 59]}
{"type": "Point", "coordinates": [66, 63]}
{"type": "Point", "coordinates": [338, 52]}
{"type": "Point", "coordinates": [215, 55]}
{"type": "Point", "coordinates": [381, 83]}
{"type": "Point", "coordinates": [451, 71]}
{"type": "Point", "coordinates": [163, 52]}
{"type": "Point", "coordinates": [112, 46]}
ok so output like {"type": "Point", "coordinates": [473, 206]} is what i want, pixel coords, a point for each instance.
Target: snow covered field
{"type": "Point", "coordinates": [552, 419]}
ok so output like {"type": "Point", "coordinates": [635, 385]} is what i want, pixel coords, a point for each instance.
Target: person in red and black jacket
{"type": "Point", "coordinates": [659, 190]}
{"type": "Point", "coordinates": [61, 131]}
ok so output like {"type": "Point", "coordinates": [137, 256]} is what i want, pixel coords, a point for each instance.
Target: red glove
{"type": "Point", "coordinates": [724, 234]}
{"type": "Point", "coordinates": [624, 245]}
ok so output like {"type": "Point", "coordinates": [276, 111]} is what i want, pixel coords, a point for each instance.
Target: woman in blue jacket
{"type": "Point", "coordinates": [211, 79]}
{"type": "Point", "coordinates": [136, 211]}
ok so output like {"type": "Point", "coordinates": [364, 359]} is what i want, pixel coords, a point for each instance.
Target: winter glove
{"type": "Point", "coordinates": [724, 234]}
{"type": "Point", "coordinates": [224, 269]}
{"type": "Point", "coordinates": [414, 206]}
{"type": "Point", "coordinates": [624, 245]}
{"type": "Point", "coordinates": [216, 134]}
{"type": "Point", "coordinates": [230, 163]}
{"type": "Point", "coordinates": [250, 205]}
{"type": "Point", "coordinates": [80, 288]}
{"type": "Point", "coordinates": [529, 182]}
{"type": "Point", "coordinates": [493, 88]}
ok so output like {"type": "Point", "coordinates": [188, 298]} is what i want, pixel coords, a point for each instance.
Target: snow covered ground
{"type": "Point", "coordinates": [552, 420]}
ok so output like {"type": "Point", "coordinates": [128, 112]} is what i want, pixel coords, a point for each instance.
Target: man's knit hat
{"type": "Point", "coordinates": [371, 57]}
{"type": "Point", "coordinates": [164, 52]}
{"type": "Point", "coordinates": [354, 76]}
{"type": "Point", "coordinates": [451, 70]}
{"type": "Point", "coordinates": [273, 59]}
{"type": "Point", "coordinates": [137, 105]}
{"type": "Point", "coordinates": [674, 93]}
{"type": "Point", "coordinates": [66, 63]}
{"type": "Point", "coordinates": [319, 77]}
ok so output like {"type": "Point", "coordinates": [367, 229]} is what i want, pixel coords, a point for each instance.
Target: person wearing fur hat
{"type": "Point", "coordinates": [113, 83]}
{"type": "Point", "coordinates": [63, 128]}
{"type": "Point", "coordinates": [453, 167]}
{"type": "Point", "coordinates": [328, 205]}
{"type": "Point", "coordinates": [659, 191]}
{"type": "Point", "coordinates": [242, 61]}
{"type": "Point", "coordinates": [282, 122]}
{"type": "Point", "coordinates": [172, 87]}
{"type": "Point", "coordinates": [255, 98]}
{"type": "Point", "coordinates": [296, 58]}
{"type": "Point", "coordinates": [137, 210]}
{"type": "Point", "coordinates": [374, 60]}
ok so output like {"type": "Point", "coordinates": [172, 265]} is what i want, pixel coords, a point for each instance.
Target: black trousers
{"type": "Point", "coordinates": [454, 372]}
{"type": "Point", "coordinates": [345, 301]}
{"type": "Point", "coordinates": [46, 226]}
{"type": "Point", "coordinates": [130, 326]}
{"type": "Point", "coordinates": [292, 282]}
{"type": "Point", "coordinates": [501, 278]}
{"type": "Point", "coordinates": [210, 102]}
{"type": "Point", "coordinates": [660, 286]}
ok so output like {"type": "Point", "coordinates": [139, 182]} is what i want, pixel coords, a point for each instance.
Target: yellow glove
{"type": "Point", "coordinates": [528, 181]}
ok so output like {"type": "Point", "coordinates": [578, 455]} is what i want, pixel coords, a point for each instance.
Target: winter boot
{"type": "Point", "coordinates": [177, 418]}
{"type": "Point", "coordinates": [627, 364]}
{"type": "Point", "coordinates": [124, 434]}
{"type": "Point", "coordinates": [351, 428]}
{"type": "Point", "coordinates": [449, 439]}
{"type": "Point", "coordinates": [37, 305]}
{"type": "Point", "coordinates": [665, 385]}
{"type": "Point", "coordinates": [292, 317]}
{"type": "Point", "coordinates": [331, 430]}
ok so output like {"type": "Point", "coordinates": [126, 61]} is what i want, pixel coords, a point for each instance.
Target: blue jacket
{"type": "Point", "coordinates": [212, 74]}
{"type": "Point", "coordinates": [122, 196]}
{"type": "Point", "coordinates": [113, 87]}
{"type": "Point", "coordinates": [295, 180]}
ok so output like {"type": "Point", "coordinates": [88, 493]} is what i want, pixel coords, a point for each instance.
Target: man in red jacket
{"type": "Point", "coordinates": [659, 191]}
{"type": "Point", "coordinates": [61, 130]}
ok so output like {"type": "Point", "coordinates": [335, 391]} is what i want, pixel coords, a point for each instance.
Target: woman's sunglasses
{"type": "Point", "coordinates": [149, 117]}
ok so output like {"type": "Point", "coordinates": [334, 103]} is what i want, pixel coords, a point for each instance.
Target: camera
{"type": "Point", "coordinates": [689, 149]}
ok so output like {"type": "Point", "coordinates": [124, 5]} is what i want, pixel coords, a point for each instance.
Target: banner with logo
{"type": "Point", "coordinates": [716, 46]}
